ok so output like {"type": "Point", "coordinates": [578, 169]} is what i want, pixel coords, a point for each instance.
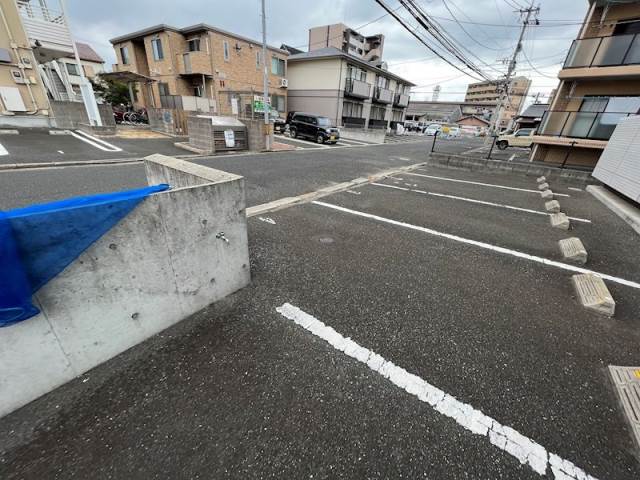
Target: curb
{"type": "Point", "coordinates": [617, 205]}
{"type": "Point", "coordinates": [79, 163]}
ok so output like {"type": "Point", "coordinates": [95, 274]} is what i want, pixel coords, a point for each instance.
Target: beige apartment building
{"type": "Point", "coordinates": [489, 93]}
{"type": "Point", "coordinates": [599, 86]}
{"type": "Point", "coordinates": [200, 65]}
{"type": "Point", "coordinates": [31, 33]}
{"type": "Point", "coordinates": [338, 35]}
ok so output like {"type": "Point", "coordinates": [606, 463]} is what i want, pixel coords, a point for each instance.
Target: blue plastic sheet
{"type": "Point", "coordinates": [38, 242]}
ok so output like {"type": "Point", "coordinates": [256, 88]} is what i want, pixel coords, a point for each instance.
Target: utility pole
{"type": "Point", "coordinates": [265, 80]}
{"type": "Point", "coordinates": [503, 97]}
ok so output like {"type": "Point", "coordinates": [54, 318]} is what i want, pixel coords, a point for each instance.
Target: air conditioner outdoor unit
{"type": "Point", "coordinates": [284, 83]}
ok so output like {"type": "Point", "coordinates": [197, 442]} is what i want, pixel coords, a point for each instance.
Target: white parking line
{"type": "Point", "coordinates": [480, 202]}
{"type": "Point", "coordinates": [355, 142]}
{"type": "Point", "coordinates": [474, 150]}
{"type": "Point", "coordinates": [484, 184]}
{"type": "Point", "coordinates": [308, 143]}
{"type": "Point", "coordinates": [525, 450]}
{"type": "Point", "coordinates": [3, 151]}
{"type": "Point", "coordinates": [487, 246]}
{"type": "Point", "coordinates": [95, 142]}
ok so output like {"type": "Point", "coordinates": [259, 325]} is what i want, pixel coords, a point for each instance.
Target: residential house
{"type": "Point", "coordinates": [349, 90]}
{"type": "Point", "coordinates": [599, 86]}
{"type": "Point", "coordinates": [200, 68]}
{"type": "Point", "coordinates": [474, 113]}
{"type": "Point", "coordinates": [531, 116]}
{"type": "Point", "coordinates": [34, 33]}
{"type": "Point", "coordinates": [338, 35]}
{"type": "Point", "coordinates": [489, 92]}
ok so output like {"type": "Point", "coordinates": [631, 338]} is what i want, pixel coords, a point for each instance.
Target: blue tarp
{"type": "Point", "coordinates": [38, 242]}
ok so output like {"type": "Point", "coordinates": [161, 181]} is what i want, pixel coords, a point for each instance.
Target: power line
{"type": "Point", "coordinates": [444, 2]}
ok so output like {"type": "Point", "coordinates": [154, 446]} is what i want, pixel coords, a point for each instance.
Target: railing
{"type": "Point", "coordinates": [604, 52]}
{"type": "Point", "coordinates": [587, 125]}
{"type": "Point", "coordinates": [192, 63]}
{"type": "Point", "coordinates": [40, 12]}
{"type": "Point", "coordinates": [401, 100]}
{"type": "Point", "coordinates": [357, 88]}
{"type": "Point", "coordinates": [383, 95]}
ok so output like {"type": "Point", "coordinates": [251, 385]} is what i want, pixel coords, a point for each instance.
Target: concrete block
{"type": "Point", "coordinates": [546, 195]}
{"type": "Point", "coordinates": [552, 206]}
{"type": "Point", "coordinates": [543, 186]}
{"type": "Point", "coordinates": [560, 220]}
{"type": "Point", "coordinates": [541, 179]}
{"type": "Point", "coordinates": [593, 294]}
{"type": "Point", "coordinates": [8, 131]}
{"type": "Point", "coordinates": [573, 250]}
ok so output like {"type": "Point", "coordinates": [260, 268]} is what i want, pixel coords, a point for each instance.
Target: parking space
{"type": "Point", "coordinates": [453, 276]}
{"type": "Point", "coordinates": [39, 146]}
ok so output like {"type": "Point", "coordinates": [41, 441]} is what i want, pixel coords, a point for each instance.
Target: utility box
{"type": "Point", "coordinates": [214, 134]}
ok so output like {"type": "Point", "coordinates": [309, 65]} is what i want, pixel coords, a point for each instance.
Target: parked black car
{"type": "Point", "coordinates": [313, 126]}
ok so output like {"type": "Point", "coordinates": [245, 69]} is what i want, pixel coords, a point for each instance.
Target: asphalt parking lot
{"type": "Point", "coordinates": [433, 270]}
{"type": "Point", "coordinates": [37, 145]}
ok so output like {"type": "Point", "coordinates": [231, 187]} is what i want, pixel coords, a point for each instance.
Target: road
{"type": "Point", "coordinates": [442, 272]}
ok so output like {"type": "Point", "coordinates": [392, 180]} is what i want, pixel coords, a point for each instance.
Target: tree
{"type": "Point", "coordinates": [112, 91]}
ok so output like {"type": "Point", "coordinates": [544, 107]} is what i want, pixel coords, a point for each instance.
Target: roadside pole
{"type": "Point", "coordinates": [265, 80]}
{"type": "Point", "coordinates": [433, 145]}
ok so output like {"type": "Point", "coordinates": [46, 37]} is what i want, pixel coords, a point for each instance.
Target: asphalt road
{"type": "Point", "coordinates": [240, 391]}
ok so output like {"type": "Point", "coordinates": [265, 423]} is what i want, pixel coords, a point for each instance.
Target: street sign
{"type": "Point", "coordinates": [258, 104]}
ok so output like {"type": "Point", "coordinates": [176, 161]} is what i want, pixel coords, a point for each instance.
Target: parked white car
{"type": "Point", "coordinates": [433, 129]}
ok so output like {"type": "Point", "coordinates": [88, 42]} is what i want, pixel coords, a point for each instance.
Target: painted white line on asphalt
{"type": "Point", "coordinates": [525, 450]}
{"type": "Point", "coordinates": [95, 144]}
{"type": "Point", "coordinates": [308, 143]}
{"type": "Point", "coordinates": [3, 151]}
{"type": "Point", "coordinates": [474, 150]}
{"type": "Point", "coordinates": [480, 202]}
{"type": "Point", "coordinates": [267, 220]}
{"type": "Point", "coordinates": [486, 246]}
{"type": "Point", "coordinates": [512, 157]}
{"type": "Point", "coordinates": [355, 142]}
{"type": "Point", "coordinates": [575, 189]}
{"type": "Point", "coordinates": [484, 184]}
{"type": "Point", "coordinates": [99, 141]}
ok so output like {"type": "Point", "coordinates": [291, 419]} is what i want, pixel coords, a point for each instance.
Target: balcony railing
{"type": "Point", "coordinates": [604, 52]}
{"type": "Point", "coordinates": [357, 88]}
{"type": "Point", "coordinates": [587, 125]}
{"type": "Point", "coordinates": [47, 26]}
{"type": "Point", "coordinates": [194, 63]}
{"type": "Point", "coordinates": [383, 95]}
{"type": "Point", "coordinates": [401, 100]}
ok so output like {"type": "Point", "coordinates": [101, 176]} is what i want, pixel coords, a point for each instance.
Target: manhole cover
{"type": "Point", "coordinates": [627, 383]}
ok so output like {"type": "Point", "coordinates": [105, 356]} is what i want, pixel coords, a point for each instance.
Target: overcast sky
{"type": "Point", "coordinates": [288, 21]}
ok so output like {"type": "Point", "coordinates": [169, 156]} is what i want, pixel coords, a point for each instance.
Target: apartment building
{"type": "Point", "coordinates": [200, 65]}
{"type": "Point", "coordinates": [599, 86]}
{"type": "Point", "coordinates": [338, 35]}
{"type": "Point", "coordinates": [489, 92]}
{"type": "Point", "coordinates": [32, 33]}
{"type": "Point", "coordinates": [349, 90]}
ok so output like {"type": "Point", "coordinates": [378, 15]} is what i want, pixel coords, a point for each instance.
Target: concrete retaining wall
{"type": "Point", "coordinates": [256, 133]}
{"type": "Point", "coordinates": [158, 265]}
{"type": "Point", "coordinates": [72, 114]}
{"type": "Point", "coordinates": [369, 135]}
{"type": "Point", "coordinates": [534, 169]}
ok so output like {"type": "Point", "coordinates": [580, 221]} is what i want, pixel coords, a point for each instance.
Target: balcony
{"type": "Point", "coordinates": [47, 30]}
{"type": "Point", "coordinates": [616, 56]}
{"type": "Point", "coordinates": [401, 100]}
{"type": "Point", "coordinates": [357, 88]}
{"type": "Point", "coordinates": [194, 63]}
{"type": "Point", "coordinates": [382, 95]}
{"type": "Point", "coordinates": [585, 128]}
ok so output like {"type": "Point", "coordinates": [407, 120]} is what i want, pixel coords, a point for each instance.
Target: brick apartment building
{"type": "Point", "coordinates": [487, 92]}
{"type": "Point", "coordinates": [199, 65]}
{"type": "Point", "coordinates": [599, 86]}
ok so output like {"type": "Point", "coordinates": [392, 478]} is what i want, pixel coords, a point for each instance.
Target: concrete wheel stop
{"type": "Point", "coordinates": [541, 179]}
{"type": "Point", "coordinates": [546, 195]}
{"type": "Point", "coordinates": [593, 294]}
{"type": "Point", "coordinates": [543, 186]}
{"type": "Point", "coordinates": [560, 220]}
{"type": "Point", "coordinates": [552, 206]}
{"type": "Point", "coordinates": [573, 250]}
{"type": "Point", "coordinates": [626, 381]}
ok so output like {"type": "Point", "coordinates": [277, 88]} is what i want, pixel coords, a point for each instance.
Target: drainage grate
{"type": "Point", "coordinates": [627, 383]}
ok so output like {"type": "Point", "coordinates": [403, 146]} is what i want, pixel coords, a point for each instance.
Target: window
{"type": "Point", "coordinates": [222, 85]}
{"type": "Point", "coordinates": [197, 90]}
{"type": "Point", "coordinates": [124, 55]}
{"type": "Point", "coordinates": [378, 113]}
{"type": "Point", "coordinates": [163, 88]}
{"type": "Point", "coordinates": [72, 69]}
{"type": "Point", "coordinates": [356, 73]}
{"type": "Point", "coordinates": [225, 48]}
{"type": "Point", "coordinates": [382, 82]}
{"type": "Point", "coordinates": [599, 116]}
{"type": "Point", "coordinates": [156, 46]}
{"type": "Point", "coordinates": [323, 122]}
{"type": "Point", "coordinates": [258, 59]}
{"type": "Point", "coordinates": [194, 45]}
{"type": "Point", "coordinates": [277, 66]}
{"type": "Point", "coordinates": [352, 109]}
{"type": "Point", "coordinates": [278, 102]}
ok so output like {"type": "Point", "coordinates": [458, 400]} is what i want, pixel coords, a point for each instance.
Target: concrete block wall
{"type": "Point", "coordinates": [369, 135]}
{"type": "Point", "coordinates": [256, 133]}
{"type": "Point", "coordinates": [160, 264]}
{"type": "Point", "coordinates": [201, 133]}
{"type": "Point", "coordinates": [72, 114]}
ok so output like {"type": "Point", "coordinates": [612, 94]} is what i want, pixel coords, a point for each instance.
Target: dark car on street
{"type": "Point", "coordinates": [315, 127]}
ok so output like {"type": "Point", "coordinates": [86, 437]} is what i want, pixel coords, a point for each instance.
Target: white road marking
{"type": "Point", "coordinates": [474, 150]}
{"type": "Point", "coordinates": [353, 192]}
{"type": "Point", "coordinates": [480, 202]}
{"type": "Point", "coordinates": [402, 159]}
{"type": "Point", "coordinates": [309, 143]}
{"type": "Point", "coordinates": [575, 189]}
{"type": "Point", "coordinates": [267, 220]}
{"type": "Point", "coordinates": [512, 157]}
{"type": "Point", "coordinates": [356, 142]}
{"type": "Point", "coordinates": [483, 184]}
{"type": "Point", "coordinates": [525, 450]}
{"type": "Point", "coordinates": [95, 142]}
{"type": "Point", "coordinates": [60, 152]}
{"type": "Point", "coordinates": [486, 246]}
{"type": "Point", "coordinates": [3, 151]}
